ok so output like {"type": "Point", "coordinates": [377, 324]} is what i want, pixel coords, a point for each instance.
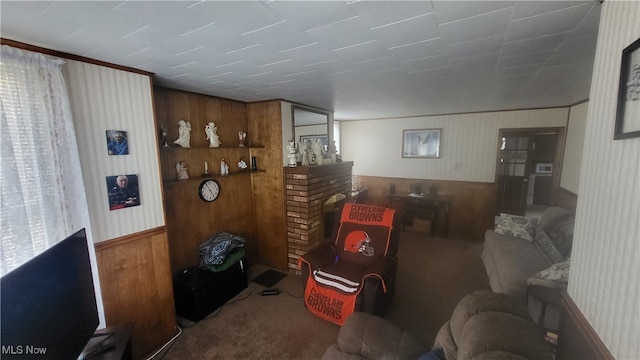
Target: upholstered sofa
{"type": "Point", "coordinates": [524, 253]}
{"type": "Point", "coordinates": [484, 326]}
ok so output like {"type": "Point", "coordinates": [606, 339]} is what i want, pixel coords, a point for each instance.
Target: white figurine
{"type": "Point", "coordinates": [242, 164]}
{"type": "Point", "coordinates": [210, 129]}
{"type": "Point", "coordinates": [184, 131]}
{"type": "Point", "coordinates": [181, 169]}
{"type": "Point", "coordinates": [224, 168]}
{"type": "Point", "coordinates": [305, 152]}
{"type": "Point", "coordinates": [241, 137]}
{"type": "Point", "coordinates": [332, 152]}
{"type": "Point", "coordinates": [291, 150]}
{"type": "Point", "coordinates": [317, 147]}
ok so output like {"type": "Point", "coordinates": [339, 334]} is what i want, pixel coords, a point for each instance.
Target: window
{"type": "Point", "coordinates": [43, 197]}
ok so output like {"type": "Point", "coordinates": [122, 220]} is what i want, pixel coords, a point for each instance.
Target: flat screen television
{"type": "Point", "coordinates": [48, 304]}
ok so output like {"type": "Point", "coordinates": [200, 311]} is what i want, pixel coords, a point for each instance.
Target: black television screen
{"type": "Point", "coordinates": [48, 304]}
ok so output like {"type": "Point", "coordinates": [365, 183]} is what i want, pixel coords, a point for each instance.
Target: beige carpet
{"type": "Point", "coordinates": [434, 274]}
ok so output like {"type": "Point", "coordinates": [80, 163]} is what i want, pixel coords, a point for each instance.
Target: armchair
{"type": "Point", "coordinates": [355, 272]}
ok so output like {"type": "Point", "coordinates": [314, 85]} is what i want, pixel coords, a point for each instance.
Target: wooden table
{"type": "Point", "coordinates": [434, 208]}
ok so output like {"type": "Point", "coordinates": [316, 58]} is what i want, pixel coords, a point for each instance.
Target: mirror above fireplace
{"type": "Point", "coordinates": [310, 124]}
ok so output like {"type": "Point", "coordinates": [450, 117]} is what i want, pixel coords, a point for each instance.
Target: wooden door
{"type": "Point", "coordinates": [519, 150]}
{"type": "Point", "coordinates": [513, 173]}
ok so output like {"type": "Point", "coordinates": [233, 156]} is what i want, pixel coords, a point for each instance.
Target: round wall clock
{"type": "Point", "coordinates": [209, 190]}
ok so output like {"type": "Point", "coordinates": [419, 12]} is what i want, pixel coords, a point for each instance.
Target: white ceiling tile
{"type": "Point", "coordinates": [173, 17]}
{"type": "Point", "coordinates": [485, 25]}
{"type": "Point", "coordinates": [305, 15]}
{"type": "Point", "coordinates": [522, 60]}
{"type": "Point", "coordinates": [379, 13]}
{"type": "Point", "coordinates": [377, 64]}
{"type": "Point", "coordinates": [433, 76]}
{"type": "Point", "coordinates": [489, 44]}
{"type": "Point", "coordinates": [513, 71]}
{"type": "Point", "coordinates": [589, 24]}
{"type": "Point", "coordinates": [447, 11]}
{"type": "Point", "coordinates": [281, 37]}
{"type": "Point", "coordinates": [549, 23]}
{"type": "Point", "coordinates": [578, 44]}
{"type": "Point", "coordinates": [429, 48]}
{"type": "Point", "coordinates": [479, 60]}
{"type": "Point", "coordinates": [568, 58]}
{"type": "Point", "coordinates": [426, 63]}
{"type": "Point", "coordinates": [369, 50]}
{"type": "Point", "coordinates": [423, 27]}
{"type": "Point", "coordinates": [525, 9]}
{"type": "Point", "coordinates": [533, 45]}
{"type": "Point", "coordinates": [341, 34]}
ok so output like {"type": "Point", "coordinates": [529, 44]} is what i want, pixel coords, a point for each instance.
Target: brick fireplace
{"type": "Point", "coordinates": [307, 188]}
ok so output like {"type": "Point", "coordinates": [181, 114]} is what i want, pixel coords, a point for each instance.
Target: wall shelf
{"type": "Point", "coordinates": [200, 178]}
{"type": "Point", "coordinates": [169, 148]}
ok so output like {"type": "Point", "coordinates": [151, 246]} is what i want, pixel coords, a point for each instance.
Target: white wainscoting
{"type": "Point", "coordinates": [605, 269]}
{"type": "Point", "coordinates": [103, 99]}
{"type": "Point", "coordinates": [469, 143]}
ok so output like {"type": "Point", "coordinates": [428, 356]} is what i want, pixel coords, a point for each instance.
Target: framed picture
{"type": "Point", "coordinates": [628, 114]}
{"type": "Point", "coordinates": [311, 138]}
{"type": "Point", "coordinates": [117, 143]}
{"type": "Point", "coordinates": [422, 143]}
{"type": "Point", "coordinates": [123, 191]}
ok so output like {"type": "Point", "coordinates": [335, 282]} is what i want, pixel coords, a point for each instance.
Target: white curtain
{"type": "Point", "coordinates": [43, 197]}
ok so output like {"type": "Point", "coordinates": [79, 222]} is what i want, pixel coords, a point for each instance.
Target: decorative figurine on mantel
{"type": "Point", "coordinates": [242, 165]}
{"type": "Point", "coordinates": [224, 167]}
{"type": "Point", "coordinates": [181, 169]}
{"type": "Point", "coordinates": [211, 130]}
{"type": "Point", "coordinates": [291, 153]}
{"type": "Point", "coordinates": [305, 152]}
{"type": "Point", "coordinates": [241, 138]}
{"type": "Point", "coordinates": [317, 157]}
{"type": "Point", "coordinates": [162, 135]}
{"type": "Point", "coordinates": [184, 132]}
{"type": "Point", "coordinates": [332, 152]}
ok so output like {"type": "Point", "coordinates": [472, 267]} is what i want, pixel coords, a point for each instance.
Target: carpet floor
{"type": "Point", "coordinates": [433, 275]}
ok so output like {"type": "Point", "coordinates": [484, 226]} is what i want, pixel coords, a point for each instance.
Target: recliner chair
{"type": "Point", "coordinates": [355, 272]}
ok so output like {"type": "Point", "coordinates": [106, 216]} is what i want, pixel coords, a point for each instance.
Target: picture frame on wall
{"type": "Point", "coordinates": [421, 143]}
{"type": "Point", "coordinates": [117, 142]}
{"type": "Point", "coordinates": [123, 191]}
{"type": "Point", "coordinates": [628, 112]}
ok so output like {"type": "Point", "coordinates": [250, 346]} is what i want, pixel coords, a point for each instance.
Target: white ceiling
{"type": "Point", "coordinates": [363, 59]}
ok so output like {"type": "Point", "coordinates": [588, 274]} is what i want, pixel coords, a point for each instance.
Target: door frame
{"type": "Point", "coordinates": [556, 175]}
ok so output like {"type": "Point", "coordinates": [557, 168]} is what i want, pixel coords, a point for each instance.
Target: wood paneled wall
{"type": "Point", "coordinates": [136, 286]}
{"type": "Point", "coordinates": [472, 205]}
{"type": "Point", "coordinates": [190, 221]}
{"type": "Point", "coordinates": [265, 127]}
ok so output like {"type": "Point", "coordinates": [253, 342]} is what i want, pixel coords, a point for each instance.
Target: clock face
{"type": "Point", "coordinates": [209, 190]}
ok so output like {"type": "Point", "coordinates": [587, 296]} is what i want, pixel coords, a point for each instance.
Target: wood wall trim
{"type": "Point", "coordinates": [29, 47]}
{"type": "Point", "coordinates": [576, 338]}
{"type": "Point", "coordinates": [102, 245]}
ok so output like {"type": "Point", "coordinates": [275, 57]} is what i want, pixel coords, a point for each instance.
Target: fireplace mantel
{"type": "Point", "coordinates": [306, 189]}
